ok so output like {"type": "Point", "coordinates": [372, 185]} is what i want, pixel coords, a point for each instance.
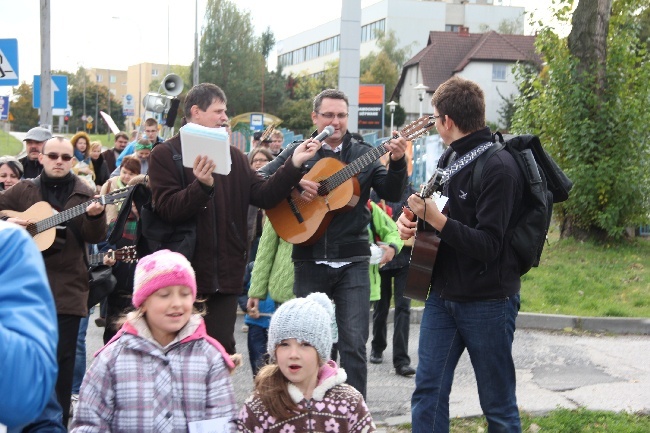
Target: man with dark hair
{"type": "Point", "coordinates": [474, 294]}
{"type": "Point", "coordinates": [65, 261]}
{"type": "Point", "coordinates": [34, 141]}
{"type": "Point", "coordinates": [219, 204]}
{"type": "Point", "coordinates": [338, 263]}
{"type": "Point", "coordinates": [111, 155]}
{"type": "Point", "coordinates": [150, 133]}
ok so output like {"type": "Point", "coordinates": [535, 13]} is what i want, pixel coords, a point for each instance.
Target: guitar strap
{"type": "Point", "coordinates": [448, 172]}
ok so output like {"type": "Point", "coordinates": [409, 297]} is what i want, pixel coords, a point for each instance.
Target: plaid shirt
{"type": "Point", "coordinates": [135, 385]}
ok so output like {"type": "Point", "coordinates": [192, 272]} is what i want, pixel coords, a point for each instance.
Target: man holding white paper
{"type": "Point", "coordinates": [219, 204]}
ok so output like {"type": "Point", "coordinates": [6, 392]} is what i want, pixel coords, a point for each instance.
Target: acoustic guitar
{"type": "Point", "coordinates": [43, 219]}
{"type": "Point", "coordinates": [124, 254]}
{"type": "Point", "coordinates": [300, 222]}
{"type": "Point", "coordinates": [425, 248]}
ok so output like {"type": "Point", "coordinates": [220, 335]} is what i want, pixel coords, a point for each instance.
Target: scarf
{"type": "Point", "coordinates": [57, 190]}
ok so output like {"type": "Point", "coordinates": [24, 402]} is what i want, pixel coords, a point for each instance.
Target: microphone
{"type": "Point", "coordinates": [329, 130]}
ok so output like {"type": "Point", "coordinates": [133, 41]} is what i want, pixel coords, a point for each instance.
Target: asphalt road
{"type": "Point", "coordinates": [554, 369]}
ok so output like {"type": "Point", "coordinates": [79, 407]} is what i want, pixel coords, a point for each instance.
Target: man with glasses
{"type": "Point", "coordinates": [474, 293]}
{"type": "Point", "coordinates": [337, 264]}
{"type": "Point", "coordinates": [111, 155]}
{"type": "Point", "coordinates": [150, 133]}
{"type": "Point", "coordinates": [34, 141]}
{"type": "Point", "coordinates": [64, 261]}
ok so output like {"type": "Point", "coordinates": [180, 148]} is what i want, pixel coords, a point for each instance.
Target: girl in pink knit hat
{"type": "Point", "coordinates": [161, 372]}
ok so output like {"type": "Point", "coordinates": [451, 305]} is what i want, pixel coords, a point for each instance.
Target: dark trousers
{"type": "Point", "coordinates": [220, 318]}
{"type": "Point", "coordinates": [66, 352]}
{"type": "Point", "coordinates": [257, 339]}
{"type": "Point", "coordinates": [392, 281]}
{"type": "Point", "coordinates": [349, 288]}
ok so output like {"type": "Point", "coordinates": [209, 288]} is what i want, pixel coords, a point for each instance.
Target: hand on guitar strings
{"type": "Point", "coordinates": [396, 147]}
{"type": "Point", "coordinates": [109, 259]}
{"type": "Point", "coordinates": [304, 152]}
{"type": "Point", "coordinates": [406, 224]}
{"type": "Point", "coordinates": [307, 190]}
{"type": "Point", "coordinates": [19, 221]}
{"type": "Point", "coordinates": [426, 209]}
{"type": "Point", "coordinates": [95, 208]}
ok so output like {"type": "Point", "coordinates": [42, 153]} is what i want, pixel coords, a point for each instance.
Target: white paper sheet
{"type": "Point", "coordinates": [211, 142]}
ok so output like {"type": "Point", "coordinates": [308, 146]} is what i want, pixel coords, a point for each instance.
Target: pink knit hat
{"type": "Point", "coordinates": [163, 268]}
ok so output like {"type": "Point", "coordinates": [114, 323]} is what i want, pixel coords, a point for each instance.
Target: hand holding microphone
{"type": "Point", "coordinates": [307, 148]}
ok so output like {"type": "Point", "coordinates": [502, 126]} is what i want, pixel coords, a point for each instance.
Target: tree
{"type": "Point", "coordinates": [21, 108]}
{"type": "Point", "coordinates": [589, 107]}
{"type": "Point", "coordinates": [231, 56]}
{"type": "Point", "coordinates": [382, 71]}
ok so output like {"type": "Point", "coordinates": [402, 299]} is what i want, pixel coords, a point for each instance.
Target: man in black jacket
{"type": "Point", "coordinates": [337, 264]}
{"type": "Point", "coordinates": [474, 297]}
{"type": "Point", "coordinates": [34, 141]}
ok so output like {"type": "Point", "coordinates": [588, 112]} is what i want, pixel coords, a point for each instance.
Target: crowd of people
{"type": "Point", "coordinates": [169, 347]}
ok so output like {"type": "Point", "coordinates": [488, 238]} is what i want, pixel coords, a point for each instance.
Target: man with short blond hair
{"type": "Point", "coordinates": [150, 133]}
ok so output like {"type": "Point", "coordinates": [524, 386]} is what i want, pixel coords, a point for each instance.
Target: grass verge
{"type": "Point", "coordinates": [558, 421]}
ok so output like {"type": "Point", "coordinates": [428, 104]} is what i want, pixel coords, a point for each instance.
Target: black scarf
{"type": "Point", "coordinates": [56, 190]}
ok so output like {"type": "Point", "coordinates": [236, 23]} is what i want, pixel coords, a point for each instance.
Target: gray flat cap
{"type": "Point", "coordinates": [38, 134]}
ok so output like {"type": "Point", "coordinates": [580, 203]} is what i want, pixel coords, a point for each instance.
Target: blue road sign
{"type": "Point", "coordinates": [59, 91]}
{"type": "Point", "coordinates": [4, 107]}
{"type": "Point", "coordinates": [8, 62]}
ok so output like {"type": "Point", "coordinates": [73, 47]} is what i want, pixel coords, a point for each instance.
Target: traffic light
{"type": "Point", "coordinates": [65, 119]}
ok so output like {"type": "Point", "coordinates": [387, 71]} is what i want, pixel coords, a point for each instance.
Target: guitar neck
{"type": "Point", "coordinates": [355, 167]}
{"type": "Point", "coordinates": [95, 259]}
{"type": "Point", "coordinates": [61, 217]}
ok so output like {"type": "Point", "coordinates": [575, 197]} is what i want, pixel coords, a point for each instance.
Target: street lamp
{"type": "Point", "coordinates": [392, 105]}
{"type": "Point", "coordinates": [421, 88]}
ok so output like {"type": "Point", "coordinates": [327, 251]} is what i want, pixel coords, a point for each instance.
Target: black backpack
{"type": "Point", "coordinates": [544, 184]}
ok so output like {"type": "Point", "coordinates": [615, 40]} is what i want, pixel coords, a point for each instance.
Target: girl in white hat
{"type": "Point", "coordinates": [303, 389]}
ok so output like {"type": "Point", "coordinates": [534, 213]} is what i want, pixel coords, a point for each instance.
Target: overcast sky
{"type": "Point", "coordinates": [118, 33]}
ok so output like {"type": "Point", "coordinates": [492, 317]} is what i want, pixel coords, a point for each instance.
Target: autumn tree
{"type": "Point", "coordinates": [231, 56]}
{"type": "Point", "coordinates": [21, 108]}
{"type": "Point", "coordinates": [589, 107]}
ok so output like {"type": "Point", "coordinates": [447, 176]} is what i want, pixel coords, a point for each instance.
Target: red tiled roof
{"type": "Point", "coordinates": [448, 53]}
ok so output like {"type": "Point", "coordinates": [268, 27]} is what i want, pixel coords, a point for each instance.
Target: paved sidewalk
{"type": "Point", "coordinates": [554, 369]}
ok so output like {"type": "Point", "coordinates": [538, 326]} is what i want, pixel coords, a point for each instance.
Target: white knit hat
{"type": "Point", "coordinates": [309, 319]}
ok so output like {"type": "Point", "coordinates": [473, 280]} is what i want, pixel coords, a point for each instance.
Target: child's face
{"type": "Point", "coordinates": [298, 362]}
{"type": "Point", "coordinates": [167, 310]}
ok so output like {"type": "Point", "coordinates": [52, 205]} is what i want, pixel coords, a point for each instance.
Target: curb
{"type": "Point", "coordinates": [559, 322]}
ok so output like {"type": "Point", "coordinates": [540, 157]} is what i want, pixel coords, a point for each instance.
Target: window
{"type": "Point", "coordinates": [113, 79]}
{"type": "Point", "coordinates": [498, 72]}
{"type": "Point", "coordinates": [452, 28]}
{"type": "Point", "coordinates": [371, 31]}
{"type": "Point", "coordinates": [154, 72]}
{"type": "Point", "coordinates": [99, 77]}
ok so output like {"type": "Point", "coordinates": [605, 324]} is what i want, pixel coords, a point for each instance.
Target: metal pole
{"type": "Point", "coordinates": [46, 73]}
{"type": "Point", "coordinates": [196, 43]}
{"type": "Point", "coordinates": [84, 112]}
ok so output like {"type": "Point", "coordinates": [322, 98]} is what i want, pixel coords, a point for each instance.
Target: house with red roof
{"type": "Point", "coordinates": [486, 58]}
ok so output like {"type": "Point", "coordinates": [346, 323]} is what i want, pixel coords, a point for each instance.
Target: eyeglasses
{"type": "Point", "coordinates": [437, 117]}
{"type": "Point", "coordinates": [54, 156]}
{"type": "Point", "coordinates": [259, 160]}
{"type": "Point", "coordinates": [331, 116]}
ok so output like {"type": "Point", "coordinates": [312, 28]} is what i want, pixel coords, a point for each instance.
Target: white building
{"type": "Point", "coordinates": [486, 58]}
{"type": "Point", "coordinates": [411, 20]}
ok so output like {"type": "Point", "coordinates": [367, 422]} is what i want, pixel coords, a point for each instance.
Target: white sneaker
{"type": "Point", "coordinates": [74, 399]}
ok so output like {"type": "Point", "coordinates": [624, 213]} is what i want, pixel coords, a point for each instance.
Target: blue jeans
{"type": "Point", "coordinates": [349, 288]}
{"type": "Point", "coordinates": [257, 339]}
{"type": "Point", "coordinates": [486, 329]}
{"type": "Point", "coordinates": [80, 357]}
{"type": "Point", "coordinates": [49, 421]}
